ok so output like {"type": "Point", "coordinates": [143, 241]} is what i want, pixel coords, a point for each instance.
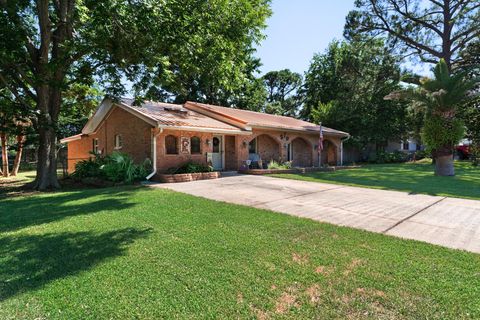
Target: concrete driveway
{"type": "Point", "coordinates": [449, 222]}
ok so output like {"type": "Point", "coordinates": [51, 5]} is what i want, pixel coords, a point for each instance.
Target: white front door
{"type": "Point", "coordinates": [217, 153]}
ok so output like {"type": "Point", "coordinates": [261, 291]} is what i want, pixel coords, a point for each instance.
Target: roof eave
{"type": "Point", "coordinates": [340, 133]}
{"type": "Point", "coordinates": [205, 129]}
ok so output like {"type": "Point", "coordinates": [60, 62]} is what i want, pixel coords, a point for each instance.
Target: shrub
{"type": "Point", "coordinates": [389, 157]}
{"type": "Point", "coordinates": [87, 168]}
{"type": "Point", "coordinates": [190, 167]}
{"type": "Point", "coordinates": [117, 167]}
{"type": "Point", "coordinates": [277, 165]}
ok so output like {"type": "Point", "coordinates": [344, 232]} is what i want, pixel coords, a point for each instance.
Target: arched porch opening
{"type": "Point", "coordinates": [300, 153]}
{"type": "Point", "coordinates": [329, 153]}
{"type": "Point", "coordinates": [265, 148]}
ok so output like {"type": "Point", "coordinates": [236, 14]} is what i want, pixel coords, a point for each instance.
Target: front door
{"type": "Point", "coordinates": [217, 153]}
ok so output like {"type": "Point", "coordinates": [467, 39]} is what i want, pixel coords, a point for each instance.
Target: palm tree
{"type": "Point", "coordinates": [440, 98]}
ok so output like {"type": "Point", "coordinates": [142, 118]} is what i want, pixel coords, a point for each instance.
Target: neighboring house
{"type": "Point", "coordinates": [225, 138]}
{"type": "Point", "coordinates": [410, 145]}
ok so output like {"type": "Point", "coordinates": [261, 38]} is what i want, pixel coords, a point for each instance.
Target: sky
{"type": "Point", "coordinates": [298, 29]}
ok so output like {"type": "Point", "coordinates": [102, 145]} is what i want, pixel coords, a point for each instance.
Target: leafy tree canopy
{"type": "Point", "coordinates": [199, 50]}
{"type": "Point", "coordinates": [283, 88]}
{"type": "Point", "coordinates": [345, 88]}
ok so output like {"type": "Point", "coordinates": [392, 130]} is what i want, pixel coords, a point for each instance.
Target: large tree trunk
{"type": "Point", "coordinates": [18, 157]}
{"type": "Point", "coordinates": [47, 161]}
{"type": "Point", "coordinates": [444, 165]}
{"type": "Point", "coordinates": [3, 139]}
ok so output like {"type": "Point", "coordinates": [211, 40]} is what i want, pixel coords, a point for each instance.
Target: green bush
{"type": "Point", "coordinates": [117, 167]}
{"type": "Point", "coordinates": [277, 165]}
{"type": "Point", "coordinates": [439, 132]}
{"type": "Point", "coordinates": [190, 167]}
{"type": "Point", "coordinates": [389, 157]}
{"type": "Point", "coordinates": [87, 168]}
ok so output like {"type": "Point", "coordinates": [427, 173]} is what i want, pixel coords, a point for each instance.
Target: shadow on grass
{"type": "Point", "coordinates": [22, 212]}
{"type": "Point", "coordinates": [29, 262]}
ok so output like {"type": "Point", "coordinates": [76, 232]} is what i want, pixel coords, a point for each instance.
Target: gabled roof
{"type": "Point", "coordinates": [259, 120]}
{"type": "Point", "coordinates": [163, 115]}
{"type": "Point", "coordinates": [199, 117]}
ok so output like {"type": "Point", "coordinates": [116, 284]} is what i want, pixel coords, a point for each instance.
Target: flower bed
{"type": "Point", "coordinates": [186, 177]}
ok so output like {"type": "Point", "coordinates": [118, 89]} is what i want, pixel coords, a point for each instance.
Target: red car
{"type": "Point", "coordinates": [463, 152]}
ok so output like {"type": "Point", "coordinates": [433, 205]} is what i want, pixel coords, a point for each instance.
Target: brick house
{"type": "Point", "coordinates": [223, 137]}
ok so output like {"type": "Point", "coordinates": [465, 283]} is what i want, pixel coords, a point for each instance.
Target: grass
{"type": "Point", "coordinates": [410, 177]}
{"type": "Point", "coordinates": [136, 252]}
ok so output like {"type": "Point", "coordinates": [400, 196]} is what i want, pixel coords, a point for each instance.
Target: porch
{"type": "Point", "coordinates": [258, 150]}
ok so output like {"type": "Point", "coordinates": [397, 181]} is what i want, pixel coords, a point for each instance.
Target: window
{"type": "Point", "coordinates": [216, 145]}
{"type": "Point", "coordinates": [95, 146]}
{"type": "Point", "coordinates": [405, 145]}
{"type": "Point", "coordinates": [118, 141]}
{"type": "Point", "coordinates": [252, 146]}
{"type": "Point", "coordinates": [171, 144]}
{"type": "Point", "coordinates": [195, 145]}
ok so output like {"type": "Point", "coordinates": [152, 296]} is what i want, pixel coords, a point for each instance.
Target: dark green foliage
{"type": "Point", "coordinates": [389, 157]}
{"type": "Point", "coordinates": [439, 132]}
{"type": "Point", "coordinates": [117, 167]}
{"type": "Point", "coordinates": [441, 99]}
{"type": "Point", "coordinates": [283, 89]}
{"type": "Point", "coordinates": [186, 49]}
{"type": "Point", "coordinates": [345, 88]}
{"type": "Point", "coordinates": [191, 167]}
{"type": "Point", "coordinates": [88, 168]}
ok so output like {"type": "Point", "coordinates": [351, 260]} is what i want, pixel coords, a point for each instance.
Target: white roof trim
{"type": "Point", "coordinates": [71, 138]}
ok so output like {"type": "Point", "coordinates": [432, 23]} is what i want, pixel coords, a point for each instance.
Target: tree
{"type": "Point", "coordinates": [430, 29]}
{"type": "Point", "coordinates": [214, 59]}
{"type": "Point", "coordinates": [441, 98]}
{"type": "Point", "coordinates": [47, 46]}
{"type": "Point", "coordinates": [13, 122]}
{"type": "Point", "coordinates": [344, 89]}
{"type": "Point", "coordinates": [283, 92]}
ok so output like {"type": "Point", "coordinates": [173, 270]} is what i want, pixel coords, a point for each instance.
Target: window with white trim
{"type": "Point", "coordinates": [118, 142]}
{"type": "Point", "coordinates": [95, 146]}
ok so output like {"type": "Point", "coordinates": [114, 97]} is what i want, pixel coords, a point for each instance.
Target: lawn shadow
{"type": "Point", "coordinates": [22, 212]}
{"type": "Point", "coordinates": [32, 261]}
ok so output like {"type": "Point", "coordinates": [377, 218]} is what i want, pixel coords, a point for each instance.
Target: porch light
{"type": "Point", "coordinates": [208, 142]}
{"type": "Point", "coordinates": [244, 143]}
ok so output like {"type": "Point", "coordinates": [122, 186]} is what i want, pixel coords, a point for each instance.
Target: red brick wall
{"type": "Point", "coordinates": [302, 153]}
{"type": "Point", "coordinates": [167, 161]}
{"type": "Point", "coordinates": [230, 153]}
{"type": "Point", "coordinates": [268, 148]}
{"type": "Point", "coordinates": [136, 138]}
{"type": "Point", "coordinates": [78, 150]}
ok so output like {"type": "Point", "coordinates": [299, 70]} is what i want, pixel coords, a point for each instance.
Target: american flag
{"type": "Point", "coordinates": [320, 139]}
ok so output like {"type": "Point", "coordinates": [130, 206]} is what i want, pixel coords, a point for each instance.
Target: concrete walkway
{"type": "Point", "coordinates": [449, 222]}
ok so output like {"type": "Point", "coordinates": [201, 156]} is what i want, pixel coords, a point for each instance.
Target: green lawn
{"type": "Point", "coordinates": [135, 252]}
{"type": "Point", "coordinates": [410, 177]}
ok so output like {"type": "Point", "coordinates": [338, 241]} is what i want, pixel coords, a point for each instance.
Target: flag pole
{"type": "Point", "coordinates": [320, 147]}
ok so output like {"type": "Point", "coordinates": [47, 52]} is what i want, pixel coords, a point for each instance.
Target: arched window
{"type": "Point", "coordinates": [195, 145]}
{"type": "Point", "coordinates": [171, 144]}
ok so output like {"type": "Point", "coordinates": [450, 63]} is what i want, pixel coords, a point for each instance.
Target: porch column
{"type": "Point", "coordinates": [341, 152]}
